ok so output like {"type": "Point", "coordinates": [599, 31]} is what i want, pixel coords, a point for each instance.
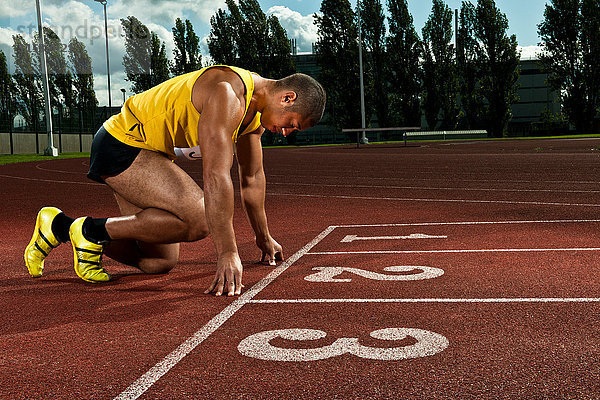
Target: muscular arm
{"type": "Point", "coordinates": [221, 114]}
{"type": "Point", "coordinates": [253, 186]}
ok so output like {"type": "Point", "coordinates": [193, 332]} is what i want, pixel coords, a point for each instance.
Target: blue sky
{"type": "Point", "coordinates": [84, 19]}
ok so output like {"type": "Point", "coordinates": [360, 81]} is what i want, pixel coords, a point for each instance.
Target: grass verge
{"type": "Point", "coordinates": [19, 158]}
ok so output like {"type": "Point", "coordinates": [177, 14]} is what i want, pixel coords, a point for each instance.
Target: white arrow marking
{"type": "Point", "coordinates": [351, 238]}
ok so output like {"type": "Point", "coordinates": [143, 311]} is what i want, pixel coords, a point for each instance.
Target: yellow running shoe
{"type": "Point", "coordinates": [42, 242]}
{"type": "Point", "coordinates": [87, 255]}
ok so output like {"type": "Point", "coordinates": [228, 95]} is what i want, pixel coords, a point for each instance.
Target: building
{"type": "Point", "coordinates": [535, 97]}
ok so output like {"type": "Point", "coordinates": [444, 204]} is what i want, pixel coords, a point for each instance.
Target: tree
{"type": "Point", "coordinates": [27, 83]}
{"type": "Point", "coordinates": [499, 62]}
{"type": "Point", "coordinates": [60, 80]}
{"type": "Point", "coordinates": [7, 105]}
{"type": "Point", "coordinates": [245, 37]}
{"type": "Point", "coordinates": [187, 57]}
{"type": "Point", "coordinates": [159, 65]}
{"type": "Point", "coordinates": [373, 34]}
{"type": "Point", "coordinates": [468, 69]}
{"type": "Point", "coordinates": [337, 55]}
{"type": "Point", "coordinates": [569, 40]}
{"type": "Point", "coordinates": [80, 65]}
{"type": "Point", "coordinates": [403, 51]}
{"type": "Point", "coordinates": [280, 63]}
{"type": "Point", "coordinates": [439, 67]}
{"type": "Point", "coordinates": [222, 40]}
{"type": "Point", "coordinates": [145, 59]}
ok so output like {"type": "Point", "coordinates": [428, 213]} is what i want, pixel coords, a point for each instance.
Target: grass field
{"type": "Point", "coordinates": [19, 158]}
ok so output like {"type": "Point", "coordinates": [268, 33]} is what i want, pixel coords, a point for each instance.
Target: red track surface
{"type": "Point", "coordinates": [518, 303]}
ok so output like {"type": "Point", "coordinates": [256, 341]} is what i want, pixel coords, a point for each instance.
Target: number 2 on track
{"type": "Point", "coordinates": [328, 274]}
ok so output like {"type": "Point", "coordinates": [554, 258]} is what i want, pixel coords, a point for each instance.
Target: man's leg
{"type": "Point", "coordinates": [170, 209]}
{"type": "Point", "coordinates": [171, 204]}
{"type": "Point", "coordinates": [150, 258]}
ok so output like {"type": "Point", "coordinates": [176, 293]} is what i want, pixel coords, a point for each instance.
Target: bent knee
{"type": "Point", "coordinates": [157, 265]}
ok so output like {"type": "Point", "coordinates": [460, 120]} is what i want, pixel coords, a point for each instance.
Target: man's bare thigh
{"type": "Point", "coordinates": [154, 181]}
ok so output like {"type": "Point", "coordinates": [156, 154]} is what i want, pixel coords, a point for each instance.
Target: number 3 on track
{"type": "Point", "coordinates": [259, 346]}
{"type": "Point", "coordinates": [417, 273]}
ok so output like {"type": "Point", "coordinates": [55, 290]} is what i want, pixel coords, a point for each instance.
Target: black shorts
{"type": "Point", "coordinates": [109, 156]}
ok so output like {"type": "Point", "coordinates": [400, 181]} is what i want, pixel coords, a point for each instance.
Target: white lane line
{"type": "Point", "coordinates": [49, 180]}
{"type": "Point", "coordinates": [458, 189]}
{"type": "Point", "coordinates": [412, 236]}
{"type": "Point", "coordinates": [329, 253]}
{"type": "Point", "coordinates": [442, 300]}
{"type": "Point", "coordinates": [415, 200]}
{"type": "Point", "coordinates": [404, 178]}
{"type": "Point", "coordinates": [557, 221]}
{"type": "Point", "coordinates": [137, 388]}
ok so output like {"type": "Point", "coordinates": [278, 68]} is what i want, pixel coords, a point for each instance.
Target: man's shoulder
{"type": "Point", "coordinates": [221, 82]}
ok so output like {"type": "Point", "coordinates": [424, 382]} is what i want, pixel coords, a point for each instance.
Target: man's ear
{"type": "Point", "coordinates": [288, 98]}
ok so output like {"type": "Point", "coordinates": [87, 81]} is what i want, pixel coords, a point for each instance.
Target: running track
{"type": "Point", "coordinates": [457, 270]}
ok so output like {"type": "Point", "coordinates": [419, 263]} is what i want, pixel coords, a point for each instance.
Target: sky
{"type": "Point", "coordinates": [84, 19]}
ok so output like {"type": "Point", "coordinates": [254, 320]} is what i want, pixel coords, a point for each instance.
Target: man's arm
{"type": "Point", "coordinates": [253, 186]}
{"type": "Point", "coordinates": [221, 114]}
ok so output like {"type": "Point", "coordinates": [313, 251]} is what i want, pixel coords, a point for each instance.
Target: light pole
{"type": "Point", "coordinates": [363, 138]}
{"type": "Point", "coordinates": [103, 2]}
{"type": "Point", "coordinates": [123, 91]}
{"type": "Point", "coordinates": [50, 150]}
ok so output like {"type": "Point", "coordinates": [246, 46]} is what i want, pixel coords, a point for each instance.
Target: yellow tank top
{"type": "Point", "coordinates": [164, 117]}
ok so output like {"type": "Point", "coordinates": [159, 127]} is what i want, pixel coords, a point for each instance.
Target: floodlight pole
{"type": "Point", "coordinates": [363, 138]}
{"type": "Point", "coordinates": [50, 150]}
{"type": "Point", "coordinates": [103, 2]}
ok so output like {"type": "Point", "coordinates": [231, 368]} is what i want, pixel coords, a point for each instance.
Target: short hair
{"type": "Point", "coordinates": [311, 96]}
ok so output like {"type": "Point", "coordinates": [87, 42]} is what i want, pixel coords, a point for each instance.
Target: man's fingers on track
{"type": "Point", "coordinates": [220, 286]}
{"type": "Point", "coordinates": [212, 286]}
{"type": "Point", "coordinates": [238, 284]}
{"type": "Point", "coordinates": [230, 284]}
{"type": "Point", "coordinates": [279, 256]}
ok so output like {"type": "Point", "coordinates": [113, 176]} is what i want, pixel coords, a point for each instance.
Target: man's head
{"type": "Point", "coordinates": [297, 103]}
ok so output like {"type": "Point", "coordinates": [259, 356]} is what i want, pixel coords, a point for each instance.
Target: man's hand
{"type": "Point", "coordinates": [228, 277]}
{"type": "Point", "coordinates": [271, 249]}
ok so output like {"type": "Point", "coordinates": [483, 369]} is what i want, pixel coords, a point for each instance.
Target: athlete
{"type": "Point", "coordinates": [208, 113]}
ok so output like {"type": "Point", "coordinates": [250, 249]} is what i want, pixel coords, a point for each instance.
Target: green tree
{"type": "Point", "coordinates": [159, 65]}
{"type": "Point", "coordinates": [499, 62]}
{"type": "Point", "coordinates": [439, 67]}
{"type": "Point", "coordinates": [280, 63]}
{"type": "Point", "coordinates": [337, 55]}
{"type": "Point", "coordinates": [255, 52]}
{"type": "Point", "coordinates": [145, 59]}
{"type": "Point", "coordinates": [590, 34]}
{"type": "Point", "coordinates": [468, 69]}
{"type": "Point", "coordinates": [245, 37]}
{"type": "Point", "coordinates": [187, 57]}
{"type": "Point", "coordinates": [403, 51]}
{"type": "Point", "coordinates": [60, 80]}
{"type": "Point", "coordinates": [80, 65]}
{"type": "Point", "coordinates": [569, 40]}
{"type": "Point", "coordinates": [27, 83]}
{"type": "Point", "coordinates": [7, 105]}
{"type": "Point", "coordinates": [373, 34]}
{"type": "Point", "coordinates": [222, 40]}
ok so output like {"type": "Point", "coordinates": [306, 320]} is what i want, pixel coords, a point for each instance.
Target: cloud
{"type": "Point", "coordinates": [298, 26]}
{"type": "Point", "coordinates": [164, 12]}
{"type": "Point", "coordinates": [529, 52]}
